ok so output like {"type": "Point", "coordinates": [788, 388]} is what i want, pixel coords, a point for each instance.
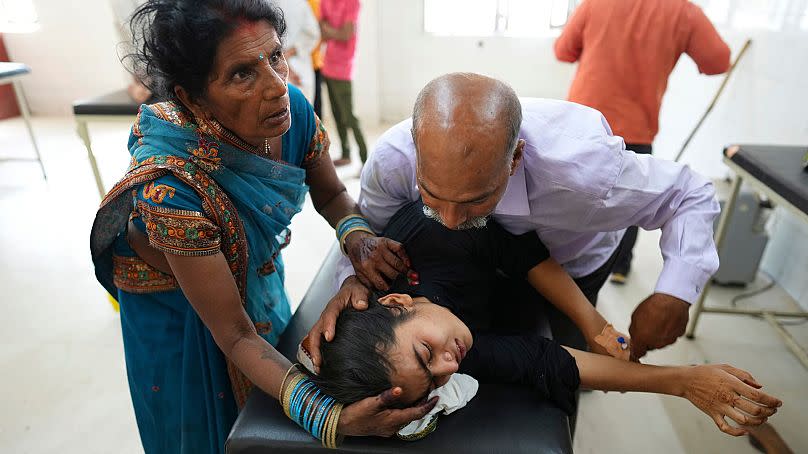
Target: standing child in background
{"type": "Point", "coordinates": [338, 26]}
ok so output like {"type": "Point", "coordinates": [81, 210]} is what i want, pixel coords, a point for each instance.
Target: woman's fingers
{"type": "Point", "coordinates": [359, 297]}
{"type": "Point", "coordinates": [394, 261]}
{"type": "Point", "coordinates": [725, 427]}
{"type": "Point", "coordinates": [742, 418]}
{"type": "Point", "coordinates": [400, 418]}
{"type": "Point", "coordinates": [758, 396]}
{"type": "Point", "coordinates": [753, 408]}
{"type": "Point", "coordinates": [386, 270]}
{"type": "Point", "coordinates": [398, 249]}
{"type": "Point", "coordinates": [742, 375]}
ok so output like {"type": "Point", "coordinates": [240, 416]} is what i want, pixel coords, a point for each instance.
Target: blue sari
{"type": "Point", "coordinates": [195, 189]}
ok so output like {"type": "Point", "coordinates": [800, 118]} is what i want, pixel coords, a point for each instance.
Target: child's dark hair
{"type": "Point", "coordinates": [355, 364]}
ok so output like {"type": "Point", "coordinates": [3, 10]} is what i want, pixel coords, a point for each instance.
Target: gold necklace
{"type": "Point", "coordinates": [265, 151]}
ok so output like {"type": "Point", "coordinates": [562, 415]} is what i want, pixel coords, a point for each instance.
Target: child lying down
{"type": "Point", "coordinates": [421, 333]}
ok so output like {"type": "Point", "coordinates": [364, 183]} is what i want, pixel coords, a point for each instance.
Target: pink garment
{"type": "Point", "coordinates": [339, 55]}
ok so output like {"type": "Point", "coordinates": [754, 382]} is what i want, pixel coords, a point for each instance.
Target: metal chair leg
{"type": "Point", "coordinates": [81, 129]}
{"type": "Point", "coordinates": [26, 116]}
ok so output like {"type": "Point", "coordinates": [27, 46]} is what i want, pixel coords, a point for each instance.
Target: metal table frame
{"type": "Point", "coordinates": [741, 176]}
{"type": "Point", "coordinates": [14, 80]}
{"type": "Point", "coordinates": [84, 133]}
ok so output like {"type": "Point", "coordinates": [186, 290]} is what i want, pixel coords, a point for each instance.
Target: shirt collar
{"type": "Point", "coordinates": [514, 202]}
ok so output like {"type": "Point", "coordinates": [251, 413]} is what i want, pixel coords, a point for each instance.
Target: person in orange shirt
{"type": "Point", "coordinates": [626, 50]}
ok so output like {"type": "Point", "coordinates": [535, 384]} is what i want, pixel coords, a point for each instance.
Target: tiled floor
{"type": "Point", "coordinates": [63, 385]}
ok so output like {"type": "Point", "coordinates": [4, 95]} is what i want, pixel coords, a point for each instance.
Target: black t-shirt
{"type": "Point", "coordinates": [458, 270]}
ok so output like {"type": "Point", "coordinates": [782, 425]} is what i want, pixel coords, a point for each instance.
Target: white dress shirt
{"type": "Point", "coordinates": [579, 189]}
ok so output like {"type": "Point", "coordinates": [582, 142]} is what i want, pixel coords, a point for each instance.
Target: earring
{"type": "Point", "coordinates": [267, 148]}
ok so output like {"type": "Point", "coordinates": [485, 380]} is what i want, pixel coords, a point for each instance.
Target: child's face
{"type": "Point", "coordinates": [429, 347]}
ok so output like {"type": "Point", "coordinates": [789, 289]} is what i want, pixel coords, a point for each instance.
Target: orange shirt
{"type": "Point", "coordinates": [316, 54]}
{"type": "Point", "coordinates": [627, 49]}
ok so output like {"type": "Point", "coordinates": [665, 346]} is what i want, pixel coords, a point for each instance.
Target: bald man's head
{"type": "Point", "coordinates": [472, 99]}
{"type": "Point", "coordinates": [466, 133]}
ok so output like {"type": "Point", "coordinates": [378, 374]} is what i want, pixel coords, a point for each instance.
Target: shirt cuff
{"type": "Point", "coordinates": [682, 280]}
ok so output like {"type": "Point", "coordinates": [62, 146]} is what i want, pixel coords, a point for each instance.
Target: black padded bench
{"type": "Point", "coordinates": [499, 419]}
{"type": "Point", "coordinates": [111, 106]}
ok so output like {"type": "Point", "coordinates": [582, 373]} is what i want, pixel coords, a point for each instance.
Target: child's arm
{"type": "Point", "coordinates": [552, 281]}
{"type": "Point", "coordinates": [720, 391]}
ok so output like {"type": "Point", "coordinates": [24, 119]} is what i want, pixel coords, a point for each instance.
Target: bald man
{"type": "Point", "coordinates": [473, 149]}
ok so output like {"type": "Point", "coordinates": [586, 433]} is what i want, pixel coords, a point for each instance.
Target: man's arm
{"type": "Point", "coordinates": [660, 194]}
{"type": "Point", "coordinates": [569, 45]}
{"type": "Point", "coordinates": [705, 46]}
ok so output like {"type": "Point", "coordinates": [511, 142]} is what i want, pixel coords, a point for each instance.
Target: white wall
{"type": "Point", "coordinates": [73, 54]}
{"type": "Point", "coordinates": [411, 58]}
{"type": "Point", "coordinates": [366, 82]}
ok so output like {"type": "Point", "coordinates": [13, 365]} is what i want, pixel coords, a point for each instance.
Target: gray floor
{"type": "Point", "coordinates": [63, 384]}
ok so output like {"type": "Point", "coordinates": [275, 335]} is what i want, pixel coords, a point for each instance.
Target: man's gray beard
{"type": "Point", "coordinates": [478, 222]}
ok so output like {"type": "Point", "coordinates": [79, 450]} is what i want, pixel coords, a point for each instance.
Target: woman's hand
{"type": "Point", "coordinates": [351, 294]}
{"type": "Point", "coordinates": [376, 259]}
{"type": "Point", "coordinates": [373, 416]}
{"type": "Point", "coordinates": [723, 391]}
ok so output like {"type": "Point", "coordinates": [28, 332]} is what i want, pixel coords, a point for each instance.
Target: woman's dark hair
{"type": "Point", "coordinates": [355, 364]}
{"type": "Point", "coordinates": [175, 41]}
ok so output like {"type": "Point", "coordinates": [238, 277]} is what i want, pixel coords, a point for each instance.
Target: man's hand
{"type": "Point", "coordinates": [373, 416]}
{"type": "Point", "coordinates": [376, 259]}
{"type": "Point", "coordinates": [657, 322]}
{"type": "Point", "coordinates": [351, 294]}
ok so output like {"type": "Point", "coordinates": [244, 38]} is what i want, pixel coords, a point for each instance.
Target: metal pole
{"type": "Point", "coordinates": [792, 344]}
{"type": "Point", "coordinates": [715, 98]}
{"type": "Point", "coordinates": [81, 128]}
{"type": "Point", "coordinates": [26, 116]}
{"type": "Point", "coordinates": [720, 232]}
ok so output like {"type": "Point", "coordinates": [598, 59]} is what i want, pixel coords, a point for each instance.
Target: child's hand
{"type": "Point", "coordinates": [614, 343]}
{"type": "Point", "coordinates": [723, 391]}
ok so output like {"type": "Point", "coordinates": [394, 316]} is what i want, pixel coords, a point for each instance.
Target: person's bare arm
{"type": "Point", "coordinates": [343, 33]}
{"type": "Point", "coordinates": [328, 193]}
{"type": "Point", "coordinates": [208, 284]}
{"type": "Point", "coordinates": [553, 282]}
{"type": "Point", "coordinates": [720, 391]}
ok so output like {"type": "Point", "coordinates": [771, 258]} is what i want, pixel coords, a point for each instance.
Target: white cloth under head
{"type": "Point", "coordinates": [452, 396]}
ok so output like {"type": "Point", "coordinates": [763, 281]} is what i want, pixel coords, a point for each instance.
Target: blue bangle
{"type": "Point", "coordinates": [293, 397]}
{"type": "Point", "coordinates": [322, 416]}
{"type": "Point", "coordinates": [309, 409]}
{"type": "Point", "coordinates": [299, 399]}
{"type": "Point", "coordinates": [302, 405]}
{"type": "Point", "coordinates": [317, 416]}
{"type": "Point", "coordinates": [349, 222]}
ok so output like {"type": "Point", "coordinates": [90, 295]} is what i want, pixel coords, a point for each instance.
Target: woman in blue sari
{"type": "Point", "coordinates": [189, 239]}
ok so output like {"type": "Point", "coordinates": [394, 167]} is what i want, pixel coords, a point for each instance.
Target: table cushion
{"type": "Point", "coordinates": [778, 167]}
{"type": "Point", "coordinates": [500, 418]}
{"type": "Point", "coordinates": [115, 103]}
